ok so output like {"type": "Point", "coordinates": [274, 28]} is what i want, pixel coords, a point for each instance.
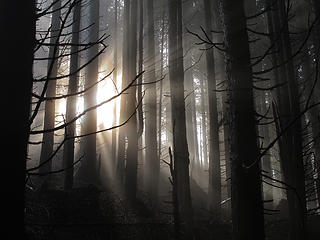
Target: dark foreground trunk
{"type": "Point", "coordinates": [17, 19]}
{"type": "Point", "coordinates": [247, 207]}
{"type": "Point", "coordinates": [181, 154]}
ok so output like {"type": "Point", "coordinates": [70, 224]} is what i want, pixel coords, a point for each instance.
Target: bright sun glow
{"type": "Point", "coordinates": [106, 90]}
{"type": "Point", "coordinates": [105, 113]}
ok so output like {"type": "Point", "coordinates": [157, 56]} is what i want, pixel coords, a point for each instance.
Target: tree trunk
{"type": "Point", "coordinates": [257, 49]}
{"type": "Point", "coordinates": [115, 79]}
{"type": "Point", "coordinates": [247, 206]}
{"type": "Point", "coordinates": [181, 154]}
{"type": "Point", "coordinates": [214, 192]}
{"type": "Point", "coordinates": [203, 124]}
{"type": "Point", "coordinates": [221, 75]}
{"type": "Point", "coordinates": [88, 169]}
{"type": "Point", "coordinates": [152, 160]}
{"type": "Point", "coordinates": [123, 102]}
{"type": "Point", "coordinates": [189, 98]}
{"type": "Point", "coordinates": [287, 99]}
{"type": "Point", "coordinates": [140, 80]}
{"type": "Point", "coordinates": [316, 124]}
{"type": "Point", "coordinates": [17, 19]}
{"type": "Point", "coordinates": [312, 116]}
{"type": "Point", "coordinates": [49, 114]}
{"type": "Point", "coordinates": [132, 135]}
{"type": "Point", "coordinates": [161, 86]}
{"type": "Point", "coordinates": [71, 109]}
{"type": "Point", "coordinates": [266, 159]}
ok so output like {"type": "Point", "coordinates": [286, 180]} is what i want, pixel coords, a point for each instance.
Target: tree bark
{"type": "Point", "coordinates": [49, 115]}
{"type": "Point", "coordinates": [221, 75]}
{"type": "Point", "coordinates": [316, 122]}
{"type": "Point", "coordinates": [311, 168]}
{"type": "Point", "coordinates": [152, 160]}
{"type": "Point", "coordinates": [190, 100]}
{"type": "Point", "coordinates": [17, 19]}
{"type": "Point", "coordinates": [160, 108]}
{"type": "Point", "coordinates": [287, 99]}
{"type": "Point", "coordinates": [88, 169]}
{"type": "Point", "coordinates": [123, 102]}
{"type": "Point", "coordinates": [247, 206]}
{"type": "Point", "coordinates": [214, 192]}
{"type": "Point", "coordinates": [181, 154]}
{"type": "Point", "coordinates": [115, 79]}
{"type": "Point", "coordinates": [71, 109]}
{"type": "Point", "coordinates": [132, 135]}
{"type": "Point", "coordinates": [140, 80]}
{"type": "Point", "coordinates": [203, 104]}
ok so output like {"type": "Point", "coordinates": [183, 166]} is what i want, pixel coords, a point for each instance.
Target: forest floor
{"type": "Point", "coordinates": [90, 213]}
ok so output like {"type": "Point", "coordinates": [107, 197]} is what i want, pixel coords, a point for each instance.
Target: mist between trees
{"type": "Point", "coordinates": [196, 119]}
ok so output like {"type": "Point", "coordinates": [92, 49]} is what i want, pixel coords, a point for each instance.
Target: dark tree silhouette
{"type": "Point", "coordinates": [18, 19]}
{"type": "Point", "coordinates": [246, 195]}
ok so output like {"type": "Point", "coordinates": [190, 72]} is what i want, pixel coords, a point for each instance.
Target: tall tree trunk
{"type": "Point", "coordinates": [71, 109]}
{"type": "Point", "coordinates": [221, 75]}
{"type": "Point", "coordinates": [214, 192]}
{"type": "Point", "coordinates": [189, 99]}
{"type": "Point", "coordinates": [287, 98]}
{"type": "Point", "coordinates": [49, 114]}
{"type": "Point", "coordinates": [88, 169]}
{"type": "Point", "coordinates": [141, 144]}
{"type": "Point", "coordinates": [189, 95]}
{"type": "Point", "coordinates": [140, 67]}
{"type": "Point", "coordinates": [115, 78]}
{"type": "Point", "coordinates": [312, 168]}
{"type": "Point", "coordinates": [203, 124]}
{"type": "Point", "coordinates": [316, 122]}
{"type": "Point", "coordinates": [123, 102]}
{"type": "Point", "coordinates": [257, 49]}
{"type": "Point", "coordinates": [152, 160]}
{"type": "Point", "coordinates": [17, 19]}
{"type": "Point", "coordinates": [161, 85]}
{"type": "Point", "coordinates": [132, 135]}
{"type": "Point", "coordinates": [265, 141]}
{"type": "Point", "coordinates": [195, 128]}
{"type": "Point", "coordinates": [247, 206]}
{"type": "Point", "coordinates": [181, 154]}
{"type": "Point", "coordinates": [191, 118]}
